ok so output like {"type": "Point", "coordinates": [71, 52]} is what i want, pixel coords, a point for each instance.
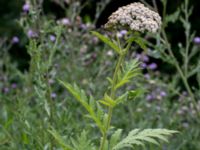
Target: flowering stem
{"type": "Point", "coordinates": [113, 92]}
{"type": "Point", "coordinates": [112, 95]}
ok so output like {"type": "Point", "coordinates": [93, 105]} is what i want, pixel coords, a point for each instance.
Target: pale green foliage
{"type": "Point", "coordinates": [172, 17]}
{"type": "Point", "coordinates": [130, 70]}
{"type": "Point", "coordinates": [139, 137]}
{"type": "Point", "coordinates": [138, 40]}
{"type": "Point", "coordinates": [93, 108]}
{"type": "Point", "coordinates": [107, 41]}
{"type": "Point", "coordinates": [59, 139]}
{"type": "Point", "coordinates": [115, 138]}
{"type": "Point", "coordinates": [82, 142]}
{"type": "Point", "coordinates": [108, 101]}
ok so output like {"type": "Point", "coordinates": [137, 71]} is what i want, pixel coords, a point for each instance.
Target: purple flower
{"type": "Point", "coordinates": [26, 7]}
{"type": "Point", "coordinates": [14, 85]}
{"type": "Point", "coordinates": [31, 33]}
{"type": "Point", "coordinates": [15, 40]}
{"type": "Point", "coordinates": [163, 94]}
{"type": "Point", "coordinates": [121, 33]}
{"type": "Point", "coordinates": [65, 21]}
{"type": "Point", "coordinates": [6, 90]}
{"type": "Point", "coordinates": [152, 66]}
{"type": "Point", "coordinates": [149, 97]}
{"type": "Point", "coordinates": [53, 95]}
{"type": "Point", "coordinates": [196, 40]}
{"type": "Point", "coordinates": [143, 65]}
{"type": "Point", "coordinates": [145, 58]}
{"type": "Point", "coordinates": [52, 38]}
{"type": "Point", "coordinates": [83, 26]}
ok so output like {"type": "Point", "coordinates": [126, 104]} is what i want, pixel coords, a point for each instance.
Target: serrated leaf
{"type": "Point", "coordinates": [59, 139]}
{"type": "Point", "coordinates": [89, 104]}
{"type": "Point", "coordinates": [105, 119]}
{"type": "Point", "coordinates": [82, 142]}
{"type": "Point", "coordinates": [122, 98]}
{"type": "Point", "coordinates": [104, 103]}
{"type": "Point", "coordinates": [133, 94]}
{"type": "Point", "coordinates": [108, 101]}
{"type": "Point", "coordinates": [110, 80]}
{"type": "Point", "coordinates": [47, 108]}
{"type": "Point", "coordinates": [115, 138]}
{"type": "Point", "coordinates": [138, 40]}
{"type": "Point", "coordinates": [139, 137]}
{"type": "Point", "coordinates": [107, 41]}
{"type": "Point", "coordinates": [131, 70]}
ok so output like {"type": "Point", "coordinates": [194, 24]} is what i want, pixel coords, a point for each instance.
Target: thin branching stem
{"type": "Point", "coordinates": [183, 77]}
{"type": "Point", "coordinates": [182, 73]}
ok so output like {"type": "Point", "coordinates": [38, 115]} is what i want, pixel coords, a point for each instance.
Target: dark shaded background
{"type": "Point", "coordinates": [11, 10]}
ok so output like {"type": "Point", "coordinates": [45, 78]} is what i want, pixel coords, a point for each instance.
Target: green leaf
{"type": "Point", "coordinates": [110, 80]}
{"type": "Point", "coordinates": [138, 40]}
{"type": "Point", "coordinates": [82, 142]}
{"type": "Point", "coordinates": [122, 98]}
{"type": "Point", "coordinates": [107, 41]}
{"type": "Point", "coordinates": [108, 101]}
{"type": "Point", "coordinates": [105, 147]}
{"type": "Point", "coordinates": [59, 139]}
{"type": "Point", "coordinates": [104, 103]}
{"type": "Point", "coordinates": [105, 119]}
{"type": "Point", "coordinates": [133, 94]}
{"type": "Point", "coordinates": [115, 138]}
{"type": "Point", "coordinates": [172, 17]}
{"type": "Point", "coordinates": [89, 104]}
{"type": "Point", "coordinates": [131, 70]}
{"type": "Point", "coordinates": [139, 137]}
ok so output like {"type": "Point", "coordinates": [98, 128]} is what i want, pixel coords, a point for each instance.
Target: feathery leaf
{"type": "Point", "coordinates": [139, 137]}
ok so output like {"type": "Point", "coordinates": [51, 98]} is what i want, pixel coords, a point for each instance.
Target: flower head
{"type": "Point", "coordinates": [163, 94]}
{"type": "Point", "coordinates": [152, 66]}
{"type": "Point", "coordinates": [65, 21]}
{"type": "Point", "coordinates": [32, 34]}
{"type": "Point", "coordinates": [52, 38]}
{"type": "Point", "coordinates": [53, 95]}
{"type": "Point", "coordinates": [6, 89]}
{"type": "Point", "coordinates": [136, 17]}
{"type": "Point", "coordinates": [121, 33]}
{"type": "Point", "coordinates": [26, 7]}
{"type": "Point", "coordinates": [196, 40]}
{"type": "Point", "coordinates": [14, 85]}
{"type": "Point", "coordinates": [15, 40]}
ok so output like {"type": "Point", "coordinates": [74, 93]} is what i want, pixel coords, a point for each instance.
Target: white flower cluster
{"type": "Point", "coordinates": [136, 17]}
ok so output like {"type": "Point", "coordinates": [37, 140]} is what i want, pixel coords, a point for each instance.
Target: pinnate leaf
{"type": "Point", "coordinates": [107, 41]}
{"type": "Point", "coordinates": [139, 137]}
{"type": "Point", "coordinates": [88, 103]}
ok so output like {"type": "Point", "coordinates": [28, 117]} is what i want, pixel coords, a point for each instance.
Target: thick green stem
{"type": "Point", "coordinates": [112, 95]}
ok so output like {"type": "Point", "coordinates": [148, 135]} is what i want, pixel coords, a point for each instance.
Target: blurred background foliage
{"type": "Point", "coordinates": [30, 66]}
